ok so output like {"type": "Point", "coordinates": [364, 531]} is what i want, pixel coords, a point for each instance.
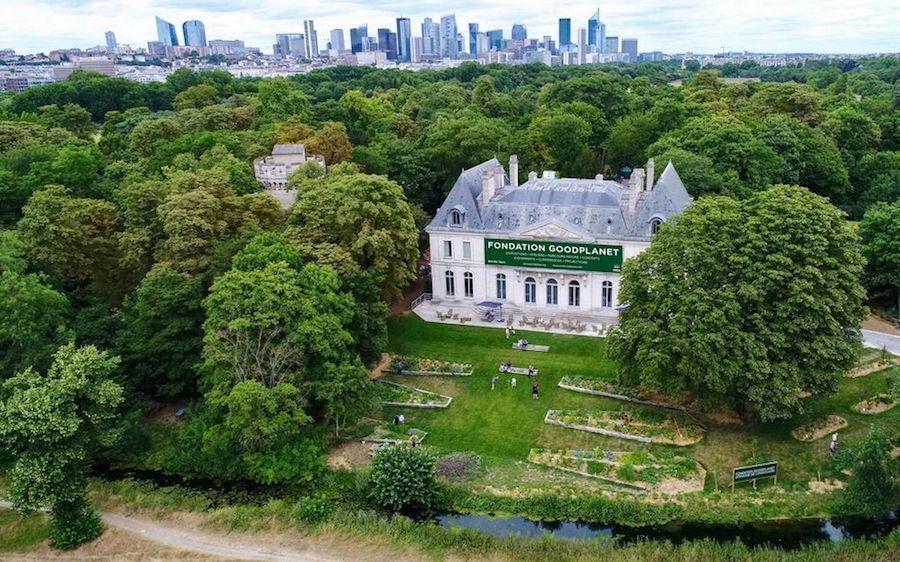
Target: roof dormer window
{"type": "Point", "coordinates": [655, 224]}
{"type": "Point", "coordinates": [456, 217]}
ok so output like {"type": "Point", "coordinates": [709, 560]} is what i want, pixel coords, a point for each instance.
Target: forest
{"type": "Point", "coordinates": [141, 262]}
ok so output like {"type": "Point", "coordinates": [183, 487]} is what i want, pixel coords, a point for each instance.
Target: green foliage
{"type": "Point", "coordinates": [73, 524]}
{"type": "Point", "coordinates": [403, 478]}
{"type": "Point", "coordinates": [197, 97]}
{"type": "Point", "coordinates": [880, 233]}
{"type": "Point", "coordinates": [314, 509]}
{"type": "Point", "coordinates": [32, 321]}
{"type": "Point", "coordinates": [728, 276]}
{"type": "Point", "coordinates": [873, 487]}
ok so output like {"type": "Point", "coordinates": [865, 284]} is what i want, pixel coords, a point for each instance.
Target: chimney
{"type": "Point", "coordinates": [532, 176]}
{"type": "Point", "coordinates": [636, 185]}
{"type": "Point", "coordinates": [514, 170]}
{"type": "Point", "coordinates": [650, 175]}
{"type": "Point", "coordinates": [488, 186]}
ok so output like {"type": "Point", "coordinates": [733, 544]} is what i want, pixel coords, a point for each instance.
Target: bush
{"type": "Point", "coordinates": [74, 524]}
{"type": "Point", "coordinates": [872, 488]}
{"type": "Point", "coordinates": [404, 478]}
{"type": "Point", "coordinates": [313, 509]}
{"type": "Point", "coordinates": [459, 466]}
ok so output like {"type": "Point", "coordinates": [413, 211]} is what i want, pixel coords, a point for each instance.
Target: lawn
{"type": "Point", "coordinates": [504, 424]}
{"type": "Point", "coordinates": [20, 533]}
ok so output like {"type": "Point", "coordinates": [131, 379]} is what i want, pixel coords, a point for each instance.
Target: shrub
{"type": "Point", "coordinates": [404, 478]}
{"type": "Point", "coordinates": [313, 509]}
{"type": "Point", "coordinates": [627, 472]}
{"type": "Point", "coordinates": [873, 488]}
{"type": "Point", "coordinates": [459, 466]}
{"type": "Point", "coordinates": [73, 524]}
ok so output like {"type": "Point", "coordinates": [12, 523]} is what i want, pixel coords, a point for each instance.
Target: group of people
{"type": "Point", "coordinates": [522, 343]}
{"type": "Point", "coordinates": [535, 387]}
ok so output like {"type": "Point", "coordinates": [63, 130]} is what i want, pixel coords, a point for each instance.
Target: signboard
{"type": "Point", "coordinates": [745, 473]}
{"type": "Point", "coordinates": [553, 255]}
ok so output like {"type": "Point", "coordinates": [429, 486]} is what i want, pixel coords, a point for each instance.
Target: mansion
{"type": "Point", "coordinates": [550, 245]}
{"type": "Point", "coordinates": [273, 172]}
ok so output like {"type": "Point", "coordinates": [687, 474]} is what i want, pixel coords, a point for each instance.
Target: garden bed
{"type": "Point", "coordinates": [393, 394]}
{"type": "Point", "coordinates": [663, 472]}
{"type": "Point", "coordinates": [819, 428]}
{"type": "Point", "coordinates": [428, 367]}
{"type": "Point", "coordinates": [646, 426]}
{"type": "Point", "coordinates": [599, 387]}
{"type": "Point", "coordinates": [873, 361]}
{"type": "Point", "coordinates": [390, 433]}
{"type": "Point", "coordinates": [876, 405]}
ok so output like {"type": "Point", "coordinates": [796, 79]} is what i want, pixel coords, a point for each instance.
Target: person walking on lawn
{"type": "Point", "coordinates": [512, 382]}
{"type": "Point", "coordinates": [535, 388]}
{"type": "Point", "coordinates": [493, 382]}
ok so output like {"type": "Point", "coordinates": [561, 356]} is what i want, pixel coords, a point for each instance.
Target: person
{"type": "Point", "coordinates": [832, 447]}
{"type": "Point", "coordinates": [493, 382]}
{"type": "Point", "coordinates": [513, 382]}
{"type": "Point", "coordinates": [412, 442]}
{"type": "Point", "coordinates": [507, 332]}
{"type": "Point", "coordinates": [396, 419]}
{"type": "Point", "coordinates": [530, 371]}
{"type": "Point", "coordinates": [400, 366]}
{"type": "Point", "coordinates": [519, 343]}
{"type": "Point", "coordinates": [401, 419]}
{"type": "Point", "coordinates": [524, 343]}
{"type": "Point", "coordinates": [535, 388]}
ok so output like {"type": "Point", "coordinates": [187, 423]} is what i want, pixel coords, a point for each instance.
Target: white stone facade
{"type": "Point", "coordinates": [272, 172]}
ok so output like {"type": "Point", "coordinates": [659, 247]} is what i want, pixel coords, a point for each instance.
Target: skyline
{"type": "Point", "coordinates": [702, 26]}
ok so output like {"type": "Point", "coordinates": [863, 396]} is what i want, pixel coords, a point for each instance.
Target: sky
{"type": "Point", "coordinates": [671, 26]}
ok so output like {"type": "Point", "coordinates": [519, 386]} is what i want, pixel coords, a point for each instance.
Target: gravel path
{"type": "Point", "coordinates": [881, 340]}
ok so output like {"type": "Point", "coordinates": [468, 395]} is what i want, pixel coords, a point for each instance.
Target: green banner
{"type": "Point", "coordinates": [553, 255]}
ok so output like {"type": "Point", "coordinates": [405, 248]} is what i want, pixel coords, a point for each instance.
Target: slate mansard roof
{"type": "Point", "coordinates": [590, 208]}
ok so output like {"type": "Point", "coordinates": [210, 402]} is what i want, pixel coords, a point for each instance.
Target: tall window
{"type": "Point", "coordinates": [468, 284]}
{"type": "Point", "coordinates": [655, 223]}
{"type": "Point", "coordinates": [450, 283]}
{"type": "Point", "coordinates": [448, 249]}
{"type": "Point", "coordinates": [467, 250]}
{"type": "Point", "coordinates": [455, 218]}
{"type": "Point", "coordinates": [530, 290]}
{"type": "Point", "coordinates": [606, 295]}
{"type": "Point", "coordinates": [574, 293]}
{"type": "Point", "coordinates": [552, 292]}
{"type": "Point", "coordinates": [501, 286]}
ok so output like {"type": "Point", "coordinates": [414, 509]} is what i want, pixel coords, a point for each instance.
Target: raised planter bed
{"type": "Point", "coordinates": [664, 472]}
{"type": "Point", "coordinates": [532, 347]}
{"type": "Point", "coordinates": [875, 405]}
{"type": "Point", "coordinates": [393, 394]}
{"type": "Point", "coordinates": [397, 434]}
{"type": "Point", "coordinates": [418, 366]}
{"type": "Point", "coordinates": [645, 426]}
{"type": "Point", "coordinates": [519, 371]}
{"type": "Point", "coordinates": [601, 388]}
{"type": "Point", "coordinates": [819, 428]}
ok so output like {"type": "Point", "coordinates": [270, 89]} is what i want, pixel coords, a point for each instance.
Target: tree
{"type": "Point", "coordinates": [71, 117]}
{"type": "Point", "coordinates": [197, 97]}
{"type": "Point", "coordinates": [279, 99]}
{"type": "Point", "coordinates": [331, 142]}
{"type": "Point", "coordinates": [53, 424]}
{"type": "Point", "coordinates": [745, 303]}
{"type": "Point", "coordinates": [403, 478]}
{"type": "Point", "coordinates": [562, 140]}
{"type": "Point", "coordinates": [880, 233]}
{"type": "Point", "coordinates": [162, 335]}
{"type": "Point", "coordinates": [853, 131]}
{"type": "Point", "coordinates": [872, 489]}
{"type": "Point", "coordinates": [699, 174]}
{"type": "Point", "coordinates": [32, 321]}
{"type": "Point", "coordinates": [366, 216]}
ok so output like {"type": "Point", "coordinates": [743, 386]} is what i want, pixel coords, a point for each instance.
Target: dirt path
{"type": "Point", "coordinates": [210, 545]}
{"type": "Point", "coordinates": [877, 324]}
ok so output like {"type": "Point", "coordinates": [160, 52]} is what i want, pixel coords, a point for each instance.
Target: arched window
{"type": "Point", "coordinates": [552, 291]}
{"type": "Point", "coordinates": [456, 218]}
{"type": "Point", "coordinates": [655, 223]}
{"type": "Point", "coordinates": [501, 286]}
{"type": "Point", "coordinates": [530, 290]}
{"type": "Point", "coordinates": [606, 296]}
{"type": "Point", "coordinates": [450, 283]}
{"type": "Point", "coordinates": [574, 293]}
{"type": "Point", "coordinates": [468, 284]}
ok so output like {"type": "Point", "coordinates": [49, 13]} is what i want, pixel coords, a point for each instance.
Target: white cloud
{"type": "Point", "coordinates": [670, 26]}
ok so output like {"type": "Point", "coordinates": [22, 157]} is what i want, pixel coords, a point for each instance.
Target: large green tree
{"type": "Point", "coordinates": [880, 233]}
{"type": "Point", "coordinates": [53, 424]}
{"type": "Point", "coordinates": [32, 321]}
{"type": "Point", "coordinates": [745, 303]}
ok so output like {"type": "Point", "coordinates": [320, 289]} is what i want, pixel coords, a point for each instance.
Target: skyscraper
{"type": "Point", "coordinates": [357, 38]}
{"type": "Point", "coordinates": [110, 42]}
{"type": "Point", "coordinates": [495, 37]}
{"type": "Point", "coordinates": [582, 45]}
{"type": "Point", "coordinates": [404, 40]}
{"type": "Point", "coordinates": [293, 44]}
{"type": "Point", "coordinates": [630, 46]}
{"type": "Point", "coordinates": [431, 37]}
{"type": "Point", "coordinates": [449, 46]}
{"type": "Point", "coordinates": [565, 32]}
{"type": "Point", "coordinates": [166, 33]}
{"type": "Point", "coordinates": [194, 33]}
{"type": "Point", "coordinates": [597, 33]}
{"type": "Point", "coordinates": [519, 32]}
{"type": "Point", "coordinates": [337, 40]}
{"type": "Point", "coordinates": [473, 39]}
{"type": "Point", "coordinates": [312, 38]}
{"type": "Point", "coordinates": [387, 42]}
{"type": "Point", "coordinates": [612, 44]}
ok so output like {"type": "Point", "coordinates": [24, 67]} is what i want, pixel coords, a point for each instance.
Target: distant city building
{"type": "Point", "coordinates": [473, 39]}
{"type": "Point", "coordinates": [156, 48]}
{"type": "Point", "coordinates": [387, 42]}
{"type": "Point", "coordinates": [272, 172]}
{"type": "Point", "coordinates": [612, 44]}
{"type": "Point", "coordinates": [312, 39]}
{"type": "Point", "coordinates": [483, 44]}
{"type": "Point", "coordinates": [519, 32]}
{"type": "Point", "coordinates": [194, 33]}
{"type": "Point", "coordinates": [358, 37]}
{"type": "Point", "coordinates": [337, 40]}
{"type": "Point", "coordinates": [448, 36]}
{"type": "Point", "coordinates": [101, 65]}
{"type": "Point", "coordinates": [565, 32]}
{"type": "Point", "coordinates": [431, 38]}
{"type": "Point", "coordinates": [166, 33]}
{"type": "Point", "coordinates": [14, 84]}
{"type": "Point", "coordinates": [495, 37]}
{"type": "Point", "coordinates": [630, 47]}
{"type": "Point", "coordinates": [582, 45]}
{"type": "Point", "coordinates": [227, 46]}
{"type": "Point", "coordinates": [597, 33]}
{"type": "Point", "coordinates": [110, 42]}
{"type": "Point", "coordinates": [404, 40]}
{"type": "Point", "coordinates": [415, 54]}
{"type": "Point", "coordinates": [290, 44]}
